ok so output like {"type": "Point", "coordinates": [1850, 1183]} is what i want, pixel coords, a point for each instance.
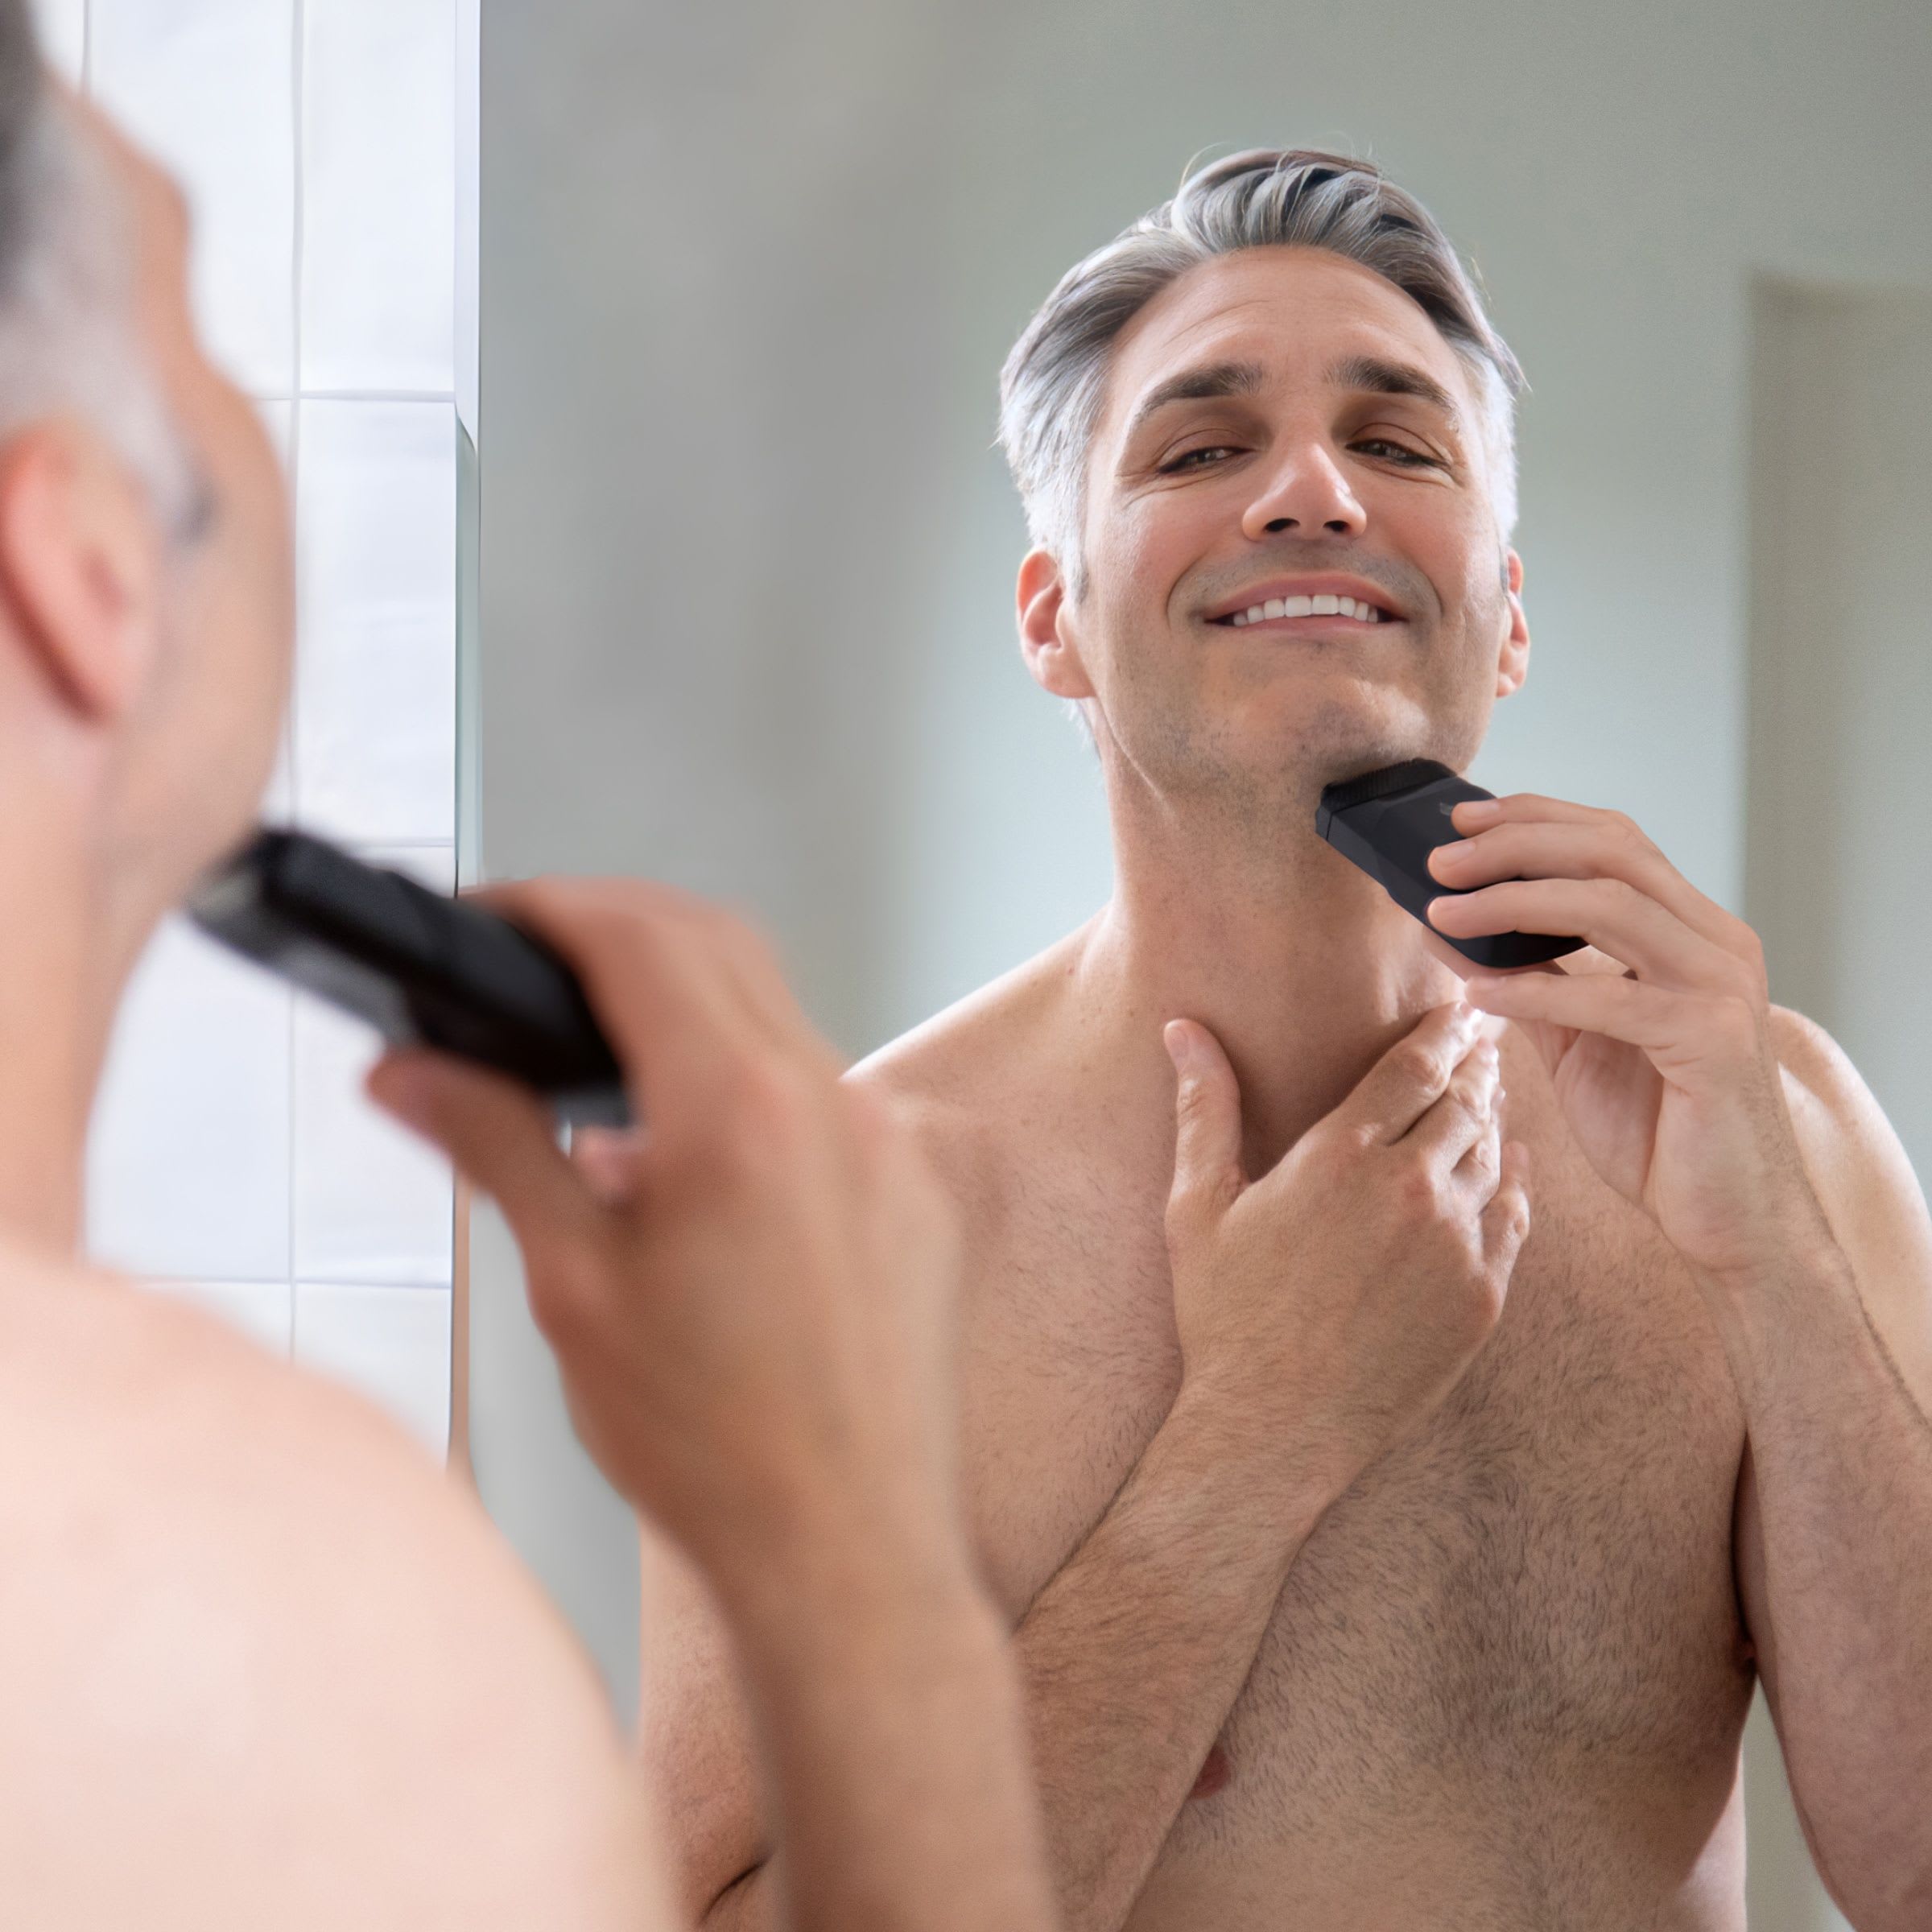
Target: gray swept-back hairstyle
{"type": "Point", "coordinates": [68, 340]}
{"type": "Point", "coordinates": [1051, 387]}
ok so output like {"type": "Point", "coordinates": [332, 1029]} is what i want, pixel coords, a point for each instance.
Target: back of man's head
{"type": "Point", "coordinates": [21, 83]}
{"type": "Point", "coordinates": [1054, 381]}
{"type": "Point", "coordinates": [68, 335]}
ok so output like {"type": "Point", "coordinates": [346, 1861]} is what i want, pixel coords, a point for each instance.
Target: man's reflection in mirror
{"type": "Point", "coordinates": [1362, 1572]}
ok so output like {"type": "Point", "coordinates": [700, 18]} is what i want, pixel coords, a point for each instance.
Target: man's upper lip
{"type": "Point", "coordinates": [1317, 584]}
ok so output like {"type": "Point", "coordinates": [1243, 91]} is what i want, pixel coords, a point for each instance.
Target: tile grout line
{"type": "Point", "coordinates": [444, 397]}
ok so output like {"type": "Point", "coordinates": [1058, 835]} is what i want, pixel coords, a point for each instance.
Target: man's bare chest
{"type": "Point", "coordinates": [1541, 1574]}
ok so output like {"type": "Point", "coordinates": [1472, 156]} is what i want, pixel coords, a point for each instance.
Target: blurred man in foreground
{"type": "Point", "coordinates": [1286, 1665]}
{"type": "Point", "coordinates": [265, 1669]}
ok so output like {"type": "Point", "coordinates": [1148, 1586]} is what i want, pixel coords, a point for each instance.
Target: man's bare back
{"type": "Point", "coordinates": [281, 1672]}
{"type": "Point", "coordinates": [1505, 1683]}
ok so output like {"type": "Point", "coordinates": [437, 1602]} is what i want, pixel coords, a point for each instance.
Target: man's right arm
{"type": "Point", "coordinates": [750, 1306]}
{"type": "Point", "coordinates": [1405, 1220]}
{"type": "Point", "coordinates": [1129, 1662]}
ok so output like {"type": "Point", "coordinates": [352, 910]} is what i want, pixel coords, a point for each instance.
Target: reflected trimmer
{"type": "Point", "coordinates": [1389, 821]}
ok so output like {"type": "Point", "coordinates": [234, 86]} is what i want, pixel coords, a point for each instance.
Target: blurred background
{"type": "Point", "coordinates": [636, 365]}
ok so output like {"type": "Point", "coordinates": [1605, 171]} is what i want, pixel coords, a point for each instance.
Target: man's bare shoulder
{"type": "Point", "coordinates": [283, 1667]}
{"type": "Point", "coordinates": [971, 1073]}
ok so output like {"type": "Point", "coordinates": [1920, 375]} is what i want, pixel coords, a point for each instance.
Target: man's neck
{"type": "Point", "coordinates": [1301, 965]}
{"type": "Point", "coordinates": [56, 1010]}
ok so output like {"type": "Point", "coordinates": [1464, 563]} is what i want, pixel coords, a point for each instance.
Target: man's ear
{"type": "Point", "coordinates": [1513, 667]}
{"type": "Point", "coordinates": [80, 562]}
{"type": "Point", "coordinates": [1051, 655]}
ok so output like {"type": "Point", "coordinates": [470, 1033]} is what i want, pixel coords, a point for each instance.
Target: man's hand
{"type": "Point", "coordinates": [748, 1298]}
{"type": "Point", "coordinates": [1665, 1070]}
{"type": "Point", "coordinates": [1327, 1307]}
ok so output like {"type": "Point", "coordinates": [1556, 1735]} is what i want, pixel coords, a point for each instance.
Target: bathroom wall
{"type": "Point", "coordinates": [328, 147]}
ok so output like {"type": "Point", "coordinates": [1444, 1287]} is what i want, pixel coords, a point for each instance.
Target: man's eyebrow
{"type": "Point", "coordinates": [1211, 379]}
{"type": "Point", "coordinates": [1392, 379]}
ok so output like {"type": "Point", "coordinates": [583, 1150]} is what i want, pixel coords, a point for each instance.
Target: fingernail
{"type": "Point", "coordinates": [1454, 849]}
{"type": "Point", "coordinates": [1179, 1043]}
{"type": "Point", "coordinates": [1476, 812]}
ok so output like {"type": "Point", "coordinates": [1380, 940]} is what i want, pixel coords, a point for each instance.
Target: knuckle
{"type": "Point", "coordinates": [1420, 1064]}
{"type": "Point", "coordinates": [1417, 1195]}
{"type": "Point", "coordinates": [1199, 1197]}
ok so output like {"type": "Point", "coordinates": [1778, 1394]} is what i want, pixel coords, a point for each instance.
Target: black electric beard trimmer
{"type": "Point", "coordinates": [1387, 821]}
{"type": "Point", "coordinates": [424, 970]}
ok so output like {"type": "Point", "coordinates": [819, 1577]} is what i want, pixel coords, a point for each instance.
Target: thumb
{"type": "Point", "coordinates": [1207, 1173]}
{"type": "Point", "coordinates": [499, 1133]}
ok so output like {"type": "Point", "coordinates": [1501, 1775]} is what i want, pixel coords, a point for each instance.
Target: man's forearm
{"type": "Point", "coordinates": [894, 1751]}
{"type": "Point", "coordinates": [1132, 1656]}
{"type": "Point", "coordinates": [1841, 1462]}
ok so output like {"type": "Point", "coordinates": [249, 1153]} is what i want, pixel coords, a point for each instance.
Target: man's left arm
{"type": "Point", "coordinates": [1833, 1350]}
{"type": "Point", "coordinates": [1748, 1138]}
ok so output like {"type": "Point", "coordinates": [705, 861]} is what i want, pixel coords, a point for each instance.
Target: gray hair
{"type": "Point", "coordinates": [1054, 380]}
{"type": "Point", "coordinates": [68, 337]}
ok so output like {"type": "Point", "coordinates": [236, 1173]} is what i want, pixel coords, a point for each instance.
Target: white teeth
{"type": "Point", "coordinates": [1324, 606]}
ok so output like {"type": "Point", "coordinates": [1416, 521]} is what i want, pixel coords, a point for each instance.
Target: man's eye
{"type": "Point", "coordinates": [1395, 452]}
{"type": "Point", "coordinates": [1185, 459]}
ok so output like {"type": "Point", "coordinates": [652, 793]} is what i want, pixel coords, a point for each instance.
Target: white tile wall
{"type": "Point", "coordinates": [62, 25]}
{"type": "Point", "coordinates": [393, 1343]}
{"type": "Point", "coordinates": [204, 84]}
{"type": "Point", "coordinates": [376, 696]}
{"type": "Point", "coordinates": [188, 1164]}
{"type": "Point", "coordinates": [379, 195]}
{"type": "Point", "coordinates": [328, 151]}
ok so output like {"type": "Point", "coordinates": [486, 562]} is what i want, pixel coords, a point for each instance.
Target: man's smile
{"type": "Point", "coordinates": [1308, 602]}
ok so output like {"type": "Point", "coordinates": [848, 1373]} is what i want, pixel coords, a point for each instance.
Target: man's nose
{"type": "Point", "coordinates": [1306, 492]}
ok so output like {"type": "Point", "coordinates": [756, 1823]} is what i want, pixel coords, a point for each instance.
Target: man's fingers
{"type": "Point", "coordinates": [500, 1135]}
{"type": "Point", "coordinates": [1677, 1030]}
{"type": "Point", "coordinates": [1413, 1074]}
{"type": "Point", "coordinates": [1606, 846]}
{"type": "Point", "coordinates": [1505, 1221]}
{"type": "Point", "coordinates": [1207, 1173]}
{"type": "Point", "coordinates": [1615, 917]}
{"type": "Point", "coordinates": [676, 1019]}
{"type": "Point", "coordinates": [1466, 1110]}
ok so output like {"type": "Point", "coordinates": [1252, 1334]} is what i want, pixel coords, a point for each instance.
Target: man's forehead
{"type": "Point", "coordinates": [1292, 314]}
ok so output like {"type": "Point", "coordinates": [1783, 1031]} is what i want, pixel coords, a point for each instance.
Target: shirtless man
{"type": "Point", "coordinates": [265, 1669]}
{"type": "Point", "coordinates": [1495, 1678]}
